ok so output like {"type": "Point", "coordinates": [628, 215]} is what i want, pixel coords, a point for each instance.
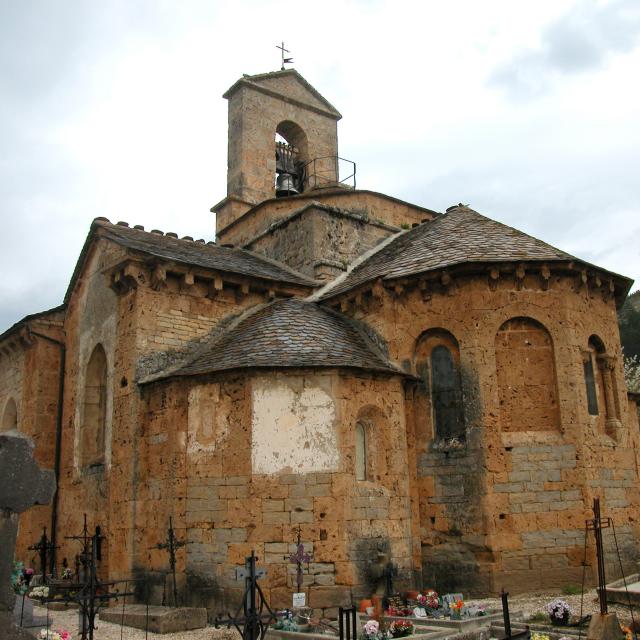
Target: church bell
{"type": "Point", "coordinates": [286, 186]}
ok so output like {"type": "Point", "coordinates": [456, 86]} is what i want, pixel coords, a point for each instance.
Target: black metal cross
{"type": "Point", "coordinates": [282, 52]}
{"type": "Point", "coordinates": [598, 524]}
{"type": "Point", "coordinates": [43, 547]}
{"type": "Point", "coordinates": [257, 614]}
{"type": "Point", "coordinates": [171, 545]}
{"type": "Point", "coordinates": [299, 558]}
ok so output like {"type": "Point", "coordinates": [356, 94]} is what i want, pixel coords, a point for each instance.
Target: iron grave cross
{"type": "Point", "coordinates": [282, 52]}
{"type": "Point", "coordinates": [299, 558]}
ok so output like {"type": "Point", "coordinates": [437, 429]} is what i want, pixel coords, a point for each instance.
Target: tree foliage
{"type": "Point", "coordinates": [629, 320]}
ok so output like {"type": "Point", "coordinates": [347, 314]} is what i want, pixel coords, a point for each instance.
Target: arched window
{"type": "Point", "coordinates": [92, 438]}
{"type": "Point", "coordinates": [10, 416]}
{"type": "Point", "coordinates": [361, 451]}
{"type": "Point", "coordinates": [291, 157]}
{"type": "Point", "coordinates": [438, 364]}
{"type": "Point", "coordinates": [593, 375]}
{"type": "Point", "coordinates": [370, 445]}
{"type": "Point", "coordinates": [526, 373]}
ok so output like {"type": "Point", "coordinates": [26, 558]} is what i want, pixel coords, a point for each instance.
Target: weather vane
{"type": "Point", "coordinates": [282, 52]}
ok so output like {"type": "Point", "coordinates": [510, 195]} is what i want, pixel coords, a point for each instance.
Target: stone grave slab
{"type": "Point", "coordinates": [616, 592]}
{"type": "Point", "coordinates": [161, 619]}
{"type": "Point", "coordinates": [422, 633]}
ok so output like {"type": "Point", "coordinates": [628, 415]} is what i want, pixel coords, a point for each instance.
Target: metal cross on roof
{"type": "Point", "coordinates": [282, 52]}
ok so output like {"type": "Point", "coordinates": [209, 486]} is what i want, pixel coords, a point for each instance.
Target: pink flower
{"type": "Point", "coordinates": [371, 627]}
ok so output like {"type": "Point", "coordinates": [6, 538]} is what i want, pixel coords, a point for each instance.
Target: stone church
{"type": "Point", "coordinates": [437, 389]}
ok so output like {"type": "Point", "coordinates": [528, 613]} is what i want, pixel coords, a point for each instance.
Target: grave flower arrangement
{"type": "Point", "coordinates": [20, 578]}
{"type": "Point", "coordinates": [399, 611]}
{"type": "Point", "coordinates": [48, 634]}
{"type": "Point", "coordinates": [372, 631]}
{"type": "Point", "coordinates": [559, 612]}
{"type": "Point", "coordinates": [455, 608]}
{"type": "Point", "coordinates": [429, 600]}
{"type": "Point", "coordinates": [400, 628]}
{"type": "Point", "coordinates": [286, 621]}
{"type": "Point", "coordinates": [39, 593]}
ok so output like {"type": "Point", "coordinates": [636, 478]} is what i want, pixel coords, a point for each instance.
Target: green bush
{"type": "Point", "coordinates": [571, 589]}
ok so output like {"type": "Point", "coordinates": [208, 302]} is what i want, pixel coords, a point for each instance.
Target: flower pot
{"type": "Point", "coordinates": [412, 595]}
{"type": "Point", "coordinates": [364, 605]}
{"type": "Point", "coordinates": [560, 622]}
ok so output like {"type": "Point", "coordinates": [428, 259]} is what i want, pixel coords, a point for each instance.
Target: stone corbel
{"type": "Point", "coordinates": [158, 277]}
{"type": "Point", "coordinates": [582, 280]}
{"type": "Point", "coordinates": [215, 287]}
{"type": "Point", "coordinates": [520, 273]}
{"type": "Point", "coordinates": [448, 283]}
{"type": "Point", "coordinates": [242, 291]}
{"type": "Point", "coordinates": [25, 337]}
{"type": "Point", "coordinates": [425, 291]}
{"type": "Point", "coordinates": [545, 275]}
{"type": "Point", "coordinates": [608, 290]}
{"type": "Point", "coordinates": [494, 276]}
{"type": "Point", "coordinates": [377, 291]}
{"type": "Point", "coordinates": [123, 279]}
{"type": "Point", "coordinates": [188, 279]}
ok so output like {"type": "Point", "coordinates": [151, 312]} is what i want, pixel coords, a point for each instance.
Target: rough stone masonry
{"type": "Point", "coordinates": [435, 388]}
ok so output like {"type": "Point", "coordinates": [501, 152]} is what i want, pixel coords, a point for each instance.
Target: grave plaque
{"type": "Point", "coordinates": [22, 485]}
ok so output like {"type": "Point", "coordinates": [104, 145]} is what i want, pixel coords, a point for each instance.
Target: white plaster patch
{"type": "Point", "coordinates": [206, 425]}
{"type": "Point", "coordinates": [293, 427]}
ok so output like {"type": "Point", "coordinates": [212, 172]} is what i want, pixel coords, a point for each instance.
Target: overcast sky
{"type": "Point", "coordinates": [527, 111]}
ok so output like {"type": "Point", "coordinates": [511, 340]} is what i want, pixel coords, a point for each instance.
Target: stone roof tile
{"type": "Point", "coordinates": [208, 256]}
{"type": "Point", "coordinates": [289, 333]}
{"type": "Point", "coordinates": [457, 237]}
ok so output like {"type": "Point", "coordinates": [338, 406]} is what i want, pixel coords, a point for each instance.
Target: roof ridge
{"type": "Point", "coordinates": [320, 293]}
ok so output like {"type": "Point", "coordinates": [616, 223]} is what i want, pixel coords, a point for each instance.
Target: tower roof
{"type": "Point", "coordinates": [289, 86]}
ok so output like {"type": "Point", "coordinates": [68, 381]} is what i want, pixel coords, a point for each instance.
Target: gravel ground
{"type": "Point", "coordinates": [529, 604]}
{"type": "Point", "coordinates": [533, 603]}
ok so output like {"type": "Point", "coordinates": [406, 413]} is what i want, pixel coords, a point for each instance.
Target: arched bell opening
{"type": "Point", "coordinates": [291, 157]}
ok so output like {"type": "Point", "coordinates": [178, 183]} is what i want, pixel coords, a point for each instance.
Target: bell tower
{"type": "Point", "coordinates": [283, 140]}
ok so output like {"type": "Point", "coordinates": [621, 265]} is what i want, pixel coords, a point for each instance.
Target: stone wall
{"type": "Point", "coordinates": [376, 207]}
{"type": "Point", "coordinates": [232, 487]}
{"type": "Point", "coordinates": [320, 242]}
{"type": "Point", "coordinates": [508, 507]}
{"type": "Point", "coordinates": [29, 375]}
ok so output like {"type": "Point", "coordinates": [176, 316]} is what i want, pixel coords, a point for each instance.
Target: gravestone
{"type": "Point", "coordinates": [22, 485]}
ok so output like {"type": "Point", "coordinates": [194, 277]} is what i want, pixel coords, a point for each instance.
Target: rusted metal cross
{"type": "Point", "coordinates": [299, 558]}
{"type": "Point", "coordinates": [172, 544]}
{"type": "Point", "coordinates": [43, 547]}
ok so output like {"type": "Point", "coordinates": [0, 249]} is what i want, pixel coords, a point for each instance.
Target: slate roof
{"type": "Point", "coordinates": [288, 333]}
{"type": "Point", "coordinates": [456, 237]}
{"type": "Point", "coordinates": [208, 256]}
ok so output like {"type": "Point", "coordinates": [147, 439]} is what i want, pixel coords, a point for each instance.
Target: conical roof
{"type": "Point", "coordinates": [289, 333]}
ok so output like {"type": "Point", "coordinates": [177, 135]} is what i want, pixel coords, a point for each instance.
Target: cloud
{"type": "Point", "coordinates": [581, 40]}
